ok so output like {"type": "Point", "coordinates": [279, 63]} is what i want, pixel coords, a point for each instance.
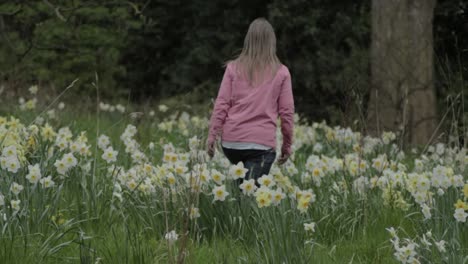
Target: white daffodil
{"type": "Point", "coordinates": [110, 155]}
{"type": "Point", "coordinates": [237, 171]}
{"type": "Point", "coordinates": [309, 227]}
{"type": "Point", "coordinates": [70, 160]}
{"type": "Point", "coordinates": [248, 187]}
{"type": "Point", "coordinates": [194, 212]}
{"type": "Point", "coordinates": [220, 193]}
{"type": "Point", "coordinates": [15, 205]}
{"type": "Point", "coordinates": [103, 142]}
{"type": "Point", "coordinates": [171, 237]}
{"type": "Point", "coordinates": [34, 174]}
{"type": "Point", "coordinates": [16, 188]}
{"type": "Point", "coordinates": [267, 181]}
{"type": "Point", "coordinates": [47, 182]}
{"type": "Point", "coordinates": [460, 215]}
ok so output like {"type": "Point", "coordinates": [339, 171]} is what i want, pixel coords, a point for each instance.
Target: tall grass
{"type": "Point", "coordinates": [81, 219]}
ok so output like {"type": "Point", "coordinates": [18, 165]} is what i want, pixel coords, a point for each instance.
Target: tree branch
{"type": "Point", "coordinates": [14, 12]}
{"type": "Point", "coordinates": [56, 9]}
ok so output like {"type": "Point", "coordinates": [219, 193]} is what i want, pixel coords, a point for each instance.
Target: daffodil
{"type": "Point", "coordinates": [263, 200]}
{"type": "Point", "coordinates": [248, 187]}
{"type": "Point", "coordinates": [163, 108]}
{"type": "Point", "coordinates": [220, 193]}
{"type": "Point", "coordinates": [237, 171]}
{"type": "Point", "coordinates": [460, 215]}
{"type": "Point", "coordinates": [194, 142]}
{"type": "Point", "coordinates": [110, 155]}
{"type": "Point", "coordinates": [278, 196]}
{"type": "Point", "coordinates": [33, 89]}
{"type": "Point", "coordinates": [392, 231]}
{"type": "Point", "coordinates": [426, 211]}
{"type": "Point", "coordinates": [171, 237]}
{"type": "Point", "coordinates": [267, 181]}
{"type": "Point", "coordinates": [120, 108]}
{"type": "Point", "coordinates": [303, 204]}
{"type": "Point", "coordinates": [47, 182]}
{"type": "Point", "coordinates": [15, 204]}
{"type": "Point", "coordinates": [461, 205]}
{"type": "Point", "coordinates": [70, 160]}
{"type": "Point", "coordinates": [217, 176]}
{"type": "Point", "coordinates": [9, 151]}
{"type": "Point", "coordinates": [132, 185]}
{"type": "Point", "coordinates": [62, 168]}
{"type": "Point", "coordinates": [440, 245]}
{"type": "Point", "coordinates": [11, 164]}
{"type": "Point", "coordinates": [103, 142]}
{"type": "Point", "coordinates": [194, 212]}
{"type": "Point", "coordinates": [34, 174]}
{"type": "Point", "coordinates": [48, 133]}
{"type": "Point", "coordinates": [168, 156]}
{"type": "Point", "coordinates": [309, 227]}
{"type": "Point", "coordinates": [171, 179]}
{"type": "Point", "coordinates": [16, 188]}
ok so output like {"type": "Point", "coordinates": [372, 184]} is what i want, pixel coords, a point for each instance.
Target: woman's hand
{"type": "Point", "coordinates": [210, 148]}
{"type": "Point", "coordinates": [283, 158]}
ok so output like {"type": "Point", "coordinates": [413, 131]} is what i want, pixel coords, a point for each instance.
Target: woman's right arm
{"type": "Point", "coordinates": [221, 107]}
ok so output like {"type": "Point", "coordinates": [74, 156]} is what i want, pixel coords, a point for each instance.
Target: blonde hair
{"type": "Point", "coordinates": [258, 60]}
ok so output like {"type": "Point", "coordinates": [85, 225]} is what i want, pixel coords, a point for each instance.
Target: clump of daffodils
{"type": "Point", "coordinates": [304, 199]}
{"type": "Point", "coordinates": [394, 198]}
{"type": "Point", "coordinates": [408, 251]}
{"type": "Point", "coordinates": [460, 208]}
{"type": "Point", "coordinates": [9, 159]}
{"type": "Point", "coordinates": [29, 104]}
{"type": "Point", "coordinates": [67, 162]}
{"type": "Point", "coordinates": [171, 237]}
{"type": "Point", "coordinates": [263, 196]}
{"type": "Point", "coordinates": [111, 108]}
{"type": "Point", "coordinates": [34, 175]}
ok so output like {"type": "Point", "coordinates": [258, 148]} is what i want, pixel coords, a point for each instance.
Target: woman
{"type": "Point", "coordinates": [255, 90]}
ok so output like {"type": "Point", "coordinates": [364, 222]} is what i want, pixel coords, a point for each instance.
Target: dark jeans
{"type": "Point", "coordinates": [258, 162]}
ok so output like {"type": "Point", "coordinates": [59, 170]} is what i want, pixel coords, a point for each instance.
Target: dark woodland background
{"type": "Point", "coordinates": [152, 50]}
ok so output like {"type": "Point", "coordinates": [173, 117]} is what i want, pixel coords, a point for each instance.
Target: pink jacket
{"type": "Point", "coordinates": [249, 114]}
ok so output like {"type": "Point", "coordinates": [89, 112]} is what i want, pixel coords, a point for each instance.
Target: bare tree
{"type": "Point", "coordinates": [402, 91]}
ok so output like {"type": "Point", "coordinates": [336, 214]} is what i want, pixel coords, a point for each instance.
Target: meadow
{"type": "Point", "coordinates": [122, 184]}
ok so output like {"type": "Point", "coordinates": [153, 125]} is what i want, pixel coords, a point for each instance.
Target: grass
{"type": "Point", "coordinates": [81, 221]}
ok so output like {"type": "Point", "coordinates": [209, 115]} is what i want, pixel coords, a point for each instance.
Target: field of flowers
{"type": "Point", "coordinates": [120, 187]}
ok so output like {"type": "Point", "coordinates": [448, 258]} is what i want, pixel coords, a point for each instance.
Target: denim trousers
{"type": "Point", "coordinates": [258, 162]}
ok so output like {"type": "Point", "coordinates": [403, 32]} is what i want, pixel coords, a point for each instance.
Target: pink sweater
{"type": "Point", "coordinates": [249, 114]}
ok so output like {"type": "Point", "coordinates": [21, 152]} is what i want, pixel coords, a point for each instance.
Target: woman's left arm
{"type": "Point", "coordinates": [221, 107]}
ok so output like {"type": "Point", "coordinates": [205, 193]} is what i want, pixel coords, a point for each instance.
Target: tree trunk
{"type": "Point", "coordinates": [402, 95]}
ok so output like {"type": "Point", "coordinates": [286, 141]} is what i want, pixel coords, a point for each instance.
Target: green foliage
{"type": "Point", "coordinates": [53, 48]}
{"type": "Point", "coordinates": [82, 219]}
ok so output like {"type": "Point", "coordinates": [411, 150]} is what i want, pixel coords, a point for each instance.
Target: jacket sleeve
{"type": "Point", "coordinates": [286, 114]}
{"type": "Point", "coordinates": [221, 107]}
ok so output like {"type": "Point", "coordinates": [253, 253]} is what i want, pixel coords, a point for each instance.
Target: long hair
{"type": "Point", "coordinates": [258, 60]}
